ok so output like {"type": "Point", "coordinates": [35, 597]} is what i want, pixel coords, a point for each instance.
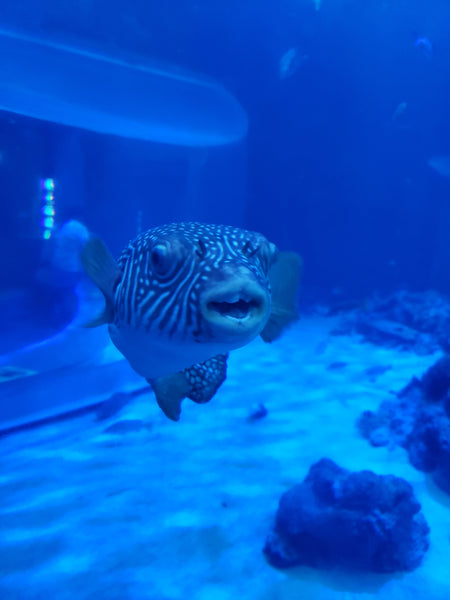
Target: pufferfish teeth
{"type": "Point", "coordinates": [232, 299]}
{"type": "Point", "coordinates": [239, 318]}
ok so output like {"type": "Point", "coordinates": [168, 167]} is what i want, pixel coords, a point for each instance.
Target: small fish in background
{"type": "Point", "coordinates": [8, 373]}
{"type": "Point", "coordinates": [337, 365]}
{"type": "Point", "coordinates": [321, 346]}
{"type": "Point", "coordinates": [376, 371]}
{"type": "Point", "coordinates": [258, 412]}
{"type": "Point", "coordinates": [399, 111]}
{"type": "Point", "coordinates": [424, 46]}
{"type": "Point", "coordinates": [290, 63]}
{"type": "Point", "coordinates": [441, 164]}
{"type": "Point", "coordinates": [183, 295]}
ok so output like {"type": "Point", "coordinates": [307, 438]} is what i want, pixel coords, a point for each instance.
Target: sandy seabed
{"type": "Point", "coordinates": [181, 510]}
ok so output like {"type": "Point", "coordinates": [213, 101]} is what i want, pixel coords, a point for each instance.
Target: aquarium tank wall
{"type": "Point", "coordinates": [224, 299]}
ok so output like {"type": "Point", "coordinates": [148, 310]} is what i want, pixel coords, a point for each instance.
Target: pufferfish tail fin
{"type": "Point", "coordinates": [170, 390]}
{"type": "Point", "coordinates": [284, 278]}
{"type": "Point", "coordinates": [103, 270]}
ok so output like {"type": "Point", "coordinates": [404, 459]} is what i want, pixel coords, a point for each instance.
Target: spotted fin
{"type": "Point", "coordinates": [284, 278]}
{"type": "Point", "coordinates": [103, 270]}
{"type": "Point", "coordinates": [198, 383]}
{"type": "Point", "coordinates": [205, 378]}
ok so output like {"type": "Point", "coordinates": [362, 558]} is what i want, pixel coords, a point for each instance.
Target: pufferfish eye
{"type": "Point", "coordinates": [161, 259]}
{"type": "Point", "coordinates": [201, 250]}
{"type": "Point", "coordinates": [249, 249]}
{"type": "Point", "coordinates": [266, 253]}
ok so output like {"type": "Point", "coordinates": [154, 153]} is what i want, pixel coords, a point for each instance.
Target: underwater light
{"type": "Point", "coordinates": [47, 208]}
{"type": "Point", "coordinates": [67, 85]}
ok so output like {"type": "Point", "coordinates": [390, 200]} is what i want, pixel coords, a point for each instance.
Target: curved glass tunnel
{"type": "Point", "coordinates": [67, 85]}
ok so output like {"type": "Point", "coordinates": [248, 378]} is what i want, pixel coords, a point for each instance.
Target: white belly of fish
{"type": "Point", "coordinates": [153, 357]}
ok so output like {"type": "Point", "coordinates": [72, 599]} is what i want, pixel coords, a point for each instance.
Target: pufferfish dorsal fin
{"type": "Point", "coordinates": [198, 383]}
{"type": "Point", "coordinates": [284, 278]}
{"type": "Point", "coordinates": [103, 270]}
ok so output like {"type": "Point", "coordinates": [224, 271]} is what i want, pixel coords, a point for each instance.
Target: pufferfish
{"type": "Point", "coordinates": [183, 295]}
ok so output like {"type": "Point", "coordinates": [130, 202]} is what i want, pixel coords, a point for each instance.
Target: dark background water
{"type": "Point", "coordinates": [325, 169]}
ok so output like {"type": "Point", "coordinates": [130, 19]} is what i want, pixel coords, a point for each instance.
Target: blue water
{"type": "Point", "coordinates": [331, 158]}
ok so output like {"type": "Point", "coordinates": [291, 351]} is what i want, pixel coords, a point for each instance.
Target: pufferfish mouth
{"type": "Point", "coordinates": [236, 309]}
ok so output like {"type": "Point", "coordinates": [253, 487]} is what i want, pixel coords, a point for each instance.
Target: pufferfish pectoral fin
{"type": "Point", "coordinates": [284, 278]}
{"type": "Point", "coordinates": [198, 383]}
{"type": "Point", "coordinates": [103, 270]}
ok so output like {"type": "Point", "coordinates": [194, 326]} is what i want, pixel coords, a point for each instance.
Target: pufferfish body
{"type": "Point", "coordinates": [183, 295]}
